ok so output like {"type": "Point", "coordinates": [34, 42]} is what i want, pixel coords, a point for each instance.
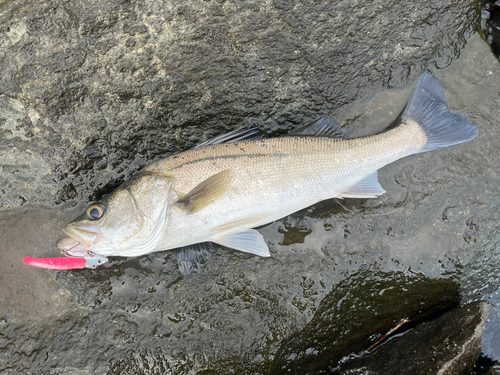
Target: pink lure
{"type": "Point", "coordinates": [64, 263]}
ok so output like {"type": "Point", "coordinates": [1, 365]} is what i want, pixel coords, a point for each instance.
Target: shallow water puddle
{"type": "Point", "coordinates": [29, 293]}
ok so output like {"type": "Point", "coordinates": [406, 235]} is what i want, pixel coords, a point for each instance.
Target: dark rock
{"type": "Point", "coordinates": [150, 79]}
{"type": "Point", "coordinates": [490, 24]}
{"type": "Point", "coordinates": [188, 76]}
{"type": "Point", "coordinates": [361, 307]}
{"type": "Point", "coordinates": [485, 365]}
{"type": "Point", "coordinates": [448, 345]}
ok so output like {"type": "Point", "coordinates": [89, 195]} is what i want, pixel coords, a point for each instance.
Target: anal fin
{"type": "Point", "coordinates": [369, 187]}
{"type": "Point", "coordinates": [248, 241]}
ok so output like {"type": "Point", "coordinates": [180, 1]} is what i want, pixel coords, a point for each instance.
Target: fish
{"type": "Point", "coordinates": [221, 190]}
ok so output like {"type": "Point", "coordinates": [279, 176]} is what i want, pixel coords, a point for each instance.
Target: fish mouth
{"type": "Point", "coordinates": [79, 240]}
{"type": "Point", "coordinates": [70, 246]}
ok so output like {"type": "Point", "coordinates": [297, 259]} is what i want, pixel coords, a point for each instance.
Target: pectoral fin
{"type": "Point", "coordinates": [191, 258]}
{"type": "Point", "coordinates": [369, 187]}
{"type": "Point", "coordinates": [207, 191]}
{"type": "Point", "coordinates": [249, 241]}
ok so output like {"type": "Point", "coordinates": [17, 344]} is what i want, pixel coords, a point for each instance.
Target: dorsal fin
{"type": "Point", "coordinates": [242, 134]}
{"type": "Point", "coordinates": [324, 127]}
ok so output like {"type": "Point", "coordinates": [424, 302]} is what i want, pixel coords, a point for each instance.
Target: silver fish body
{"type": "Point", "coordinates": [271, 178]}
{"type": "Point", "coordinates": [217, 193]}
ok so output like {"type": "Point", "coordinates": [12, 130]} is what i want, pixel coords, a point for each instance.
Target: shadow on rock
{"type": "Point", "coordinates": [358, 310]}
{"type": "Point", "coordinates": [448, 345]}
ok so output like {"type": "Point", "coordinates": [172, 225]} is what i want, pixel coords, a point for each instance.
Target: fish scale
{"type": "Point", "coordinates": [330, 155]}
{"type": "Point", "coordinates": [322, 167]}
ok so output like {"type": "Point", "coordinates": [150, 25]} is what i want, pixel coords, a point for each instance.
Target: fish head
{"type": "Point", "coordinates": [129, 218]}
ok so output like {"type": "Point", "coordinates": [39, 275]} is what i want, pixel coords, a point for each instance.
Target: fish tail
{"type": "Point", "coordinates": [442, 127]}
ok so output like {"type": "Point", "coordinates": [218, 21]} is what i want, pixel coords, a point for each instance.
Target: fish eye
{"type": "Point", "coordinates": [95, 211]}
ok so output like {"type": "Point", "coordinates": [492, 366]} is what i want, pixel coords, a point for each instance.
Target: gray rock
{"type": "Point", "coordinates": [91, 91]}
{"type": "Point", "coordinates": [448, 345]}
{"type": "Point", "coordinates": [437, 226]}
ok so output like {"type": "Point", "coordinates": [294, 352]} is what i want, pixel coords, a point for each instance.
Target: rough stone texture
{"type": "Point", "coordinates": [448, 345]}
{"type": "Point", "coordinates": [490, 24]}
{"type": "Point", "coordinates": [435, 228]}
{"type": "Point", "coordinates": [356, 311]}
{"type": "Point", "coordinates": [91, 91]}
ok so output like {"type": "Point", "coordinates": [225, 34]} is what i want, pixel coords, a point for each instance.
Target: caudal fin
{"type": "Point", "coordinates": [427, 107]}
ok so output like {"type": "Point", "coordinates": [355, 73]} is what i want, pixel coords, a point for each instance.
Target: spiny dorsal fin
{"type": "Point", "coordinates": [207, 191]}
{"type": "Point", "coordinates": [324, 127]}
{"type": "Point", "coordinates": [242, 134]}
{"type": "Point", "coordinates": [369, 187]}
{"type": "Point", "coordinates": [191, 258]}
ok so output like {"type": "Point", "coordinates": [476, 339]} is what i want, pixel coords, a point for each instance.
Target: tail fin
{"type": "Point", "coordinates": [427, 107]}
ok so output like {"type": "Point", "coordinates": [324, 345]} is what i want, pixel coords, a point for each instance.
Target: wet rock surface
{"type": "Point", "coordinates": [92, 91]}
{"type": "Point", "coordinates": [447, 345]}
{"type": "Point", "coordinates": [490, 24]}
{"type": "Point", "coordinates": [356, 311]}
{"type": "Point", "coordinates": [430, 243]}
